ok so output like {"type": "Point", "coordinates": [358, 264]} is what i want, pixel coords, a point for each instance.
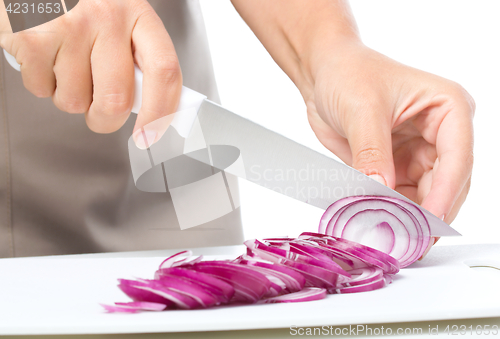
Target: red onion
{"type": "Point", "coordinates": [307, 294]}
{"type": "Point", "coordinates": [390, 225]}
{"type": "Point", "coordinates": [351, 255]}
{"type": "Point", "coordinates": [249, 285]}
{"type": "Point", "coordinates": [180, 300]}
{"type": "Point", "coordinates": [281, 270]}
{"type": "Point", "coordinates": [135, 306]}
{"type": "Point", "coordinates": [220, 289]}
{"type": "Point", "coordinates": [293, 280]}
{"type": "Point", "coordinates": [362, 276]}
{"type": "Point", "coordinates": [371, 286]}
{"type": "Point", "coordinates": [182, 258]}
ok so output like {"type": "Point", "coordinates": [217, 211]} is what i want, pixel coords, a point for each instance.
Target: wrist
{"type": "Point", "coordinates": [324, 52]}
{"type": "Point", "coordinates": [328, 33]}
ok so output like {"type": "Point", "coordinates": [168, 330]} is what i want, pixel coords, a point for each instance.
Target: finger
{"type": "Point", "coordinates": [432, 241]}
{"type": "Point", "coordinates": [73, 93]}
{"type": "Point", "coordinates": [35, 50]}
{"type": "Point", "coordinates": [370, 141]}
{"type": "Point", "coordinates": [451, 216]}
{"type": "Point", "coordinates": [454, 144]}
{"type": "Point", "coordinates": [37, 65]}
{"type": "Point", "coordinates": [458, 203]}
{"type": "Point", "coordinates": [162, 85]}
{"type": "Point", "coordinates": [113, 78]}
{"type": "Point", "coordinates": [334, 142]}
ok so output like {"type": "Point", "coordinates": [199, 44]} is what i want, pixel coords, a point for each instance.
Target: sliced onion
{"type": "Point", "coordinates": [390, 225]}
{"type": "Point", "coordinates": [274, 290]}
{"type": "Point", "coordinates": [293, 280]}
{"type": "Point", "coordinates": [277, 270]}
{"type": "Point", "coordinates": [371, 286]}
{"type": "Point", "coordinates": [182, 258]}
{"type": "Point", "coordinates": [353, 255]}
{"type": "Point", "coordinates": [319, 256]}
{"type": "Point", "coordinates": [295, 260]}
{"type": "Point", "coordinates": [156, 287]}
{"type": "Point", "coordinates": [388, 278]}
{"type": "Point", "coordinates": [217, 287]}
{"type": "Point", "coordinates": [185, 287]}
{"type": "Point", "coordinates": [134, 306]}
{"type": "Point", "coordinates": [376, 254]}
{"type": "Point", "coordinates": [136, 294]}
{"type": "Point", "coordinates": [307, 294]}
{"type": "Point", "coordinates": [249, 285]}
{"type": "Point", "coordinates": [362, 276]}
{"type": "Point", "coordinates": [314, 272]}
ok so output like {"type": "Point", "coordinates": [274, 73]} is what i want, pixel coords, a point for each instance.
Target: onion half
{"type": "Point", "coordinates": [389, 225]}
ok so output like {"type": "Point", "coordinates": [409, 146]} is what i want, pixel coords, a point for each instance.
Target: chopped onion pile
{"type": "Point", "coordinates": [390, 225]}
{"type": "Point", "coordinates": [278, 270]}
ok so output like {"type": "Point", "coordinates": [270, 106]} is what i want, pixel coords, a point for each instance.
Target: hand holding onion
{"type": "Point", "coordinates": [409, 129]}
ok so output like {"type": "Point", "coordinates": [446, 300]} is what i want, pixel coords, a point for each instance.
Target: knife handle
{"type": "Point", "coordinates": [189, 97]}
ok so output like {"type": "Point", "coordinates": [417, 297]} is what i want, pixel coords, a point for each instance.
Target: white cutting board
{"type": "Point", "coordinates": [61, 295]}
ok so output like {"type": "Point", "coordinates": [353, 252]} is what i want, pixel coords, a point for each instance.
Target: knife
{"type": "Point", "coordinates": [206, 146]}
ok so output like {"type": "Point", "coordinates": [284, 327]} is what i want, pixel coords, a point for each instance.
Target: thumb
{"type": "Point", "coordinates": [371, 147]}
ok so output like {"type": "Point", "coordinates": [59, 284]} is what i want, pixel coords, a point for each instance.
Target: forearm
{"type": "Point", "coordinates": [299, 33]}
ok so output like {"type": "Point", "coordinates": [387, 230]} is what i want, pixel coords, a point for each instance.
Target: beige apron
{"type": "Point", "coordinates": [65, 189]}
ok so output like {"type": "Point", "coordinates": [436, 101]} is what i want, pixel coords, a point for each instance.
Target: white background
{"type": "Point", "coordinates": [458, 40]}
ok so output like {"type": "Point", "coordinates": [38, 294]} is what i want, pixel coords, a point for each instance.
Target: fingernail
{"type": "Point", "coordinates": [378, 178]}
{"type": "Point", "coordinates": [144, 139]}
{"type": "Point", "coordinates": [432, 241]}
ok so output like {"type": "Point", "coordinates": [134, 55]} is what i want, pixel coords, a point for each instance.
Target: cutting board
{"type": "Point", "coordinates": [61, 295]}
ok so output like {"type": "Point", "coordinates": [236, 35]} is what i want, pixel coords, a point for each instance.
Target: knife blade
{"type": "Point", "coordinates": [287, 167]}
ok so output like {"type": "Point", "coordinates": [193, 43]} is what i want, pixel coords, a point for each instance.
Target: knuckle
{"type": "Point", "coordinates": [104, 12]}
{"type": "Point", "coordinates": [71, 105]}
{"type": "Point", "coordinates": [369, 158]}
{"type": "Point", "coordinates": [115, 104]}
{"type": "Point", "coordinates": [76, 25]}
{"type": "Point", "coordinates": [461, 97]}
{"type": "Point", "coordinates": [103, 6]}
{"type": "Point", "coordinates": [153, 113]}
{"type": "Point", "coordinates": [40, 92]}
{"type": "Point", "coordinates": [166, 68]}
{"type": "Point", "coordinates": [28, 39]}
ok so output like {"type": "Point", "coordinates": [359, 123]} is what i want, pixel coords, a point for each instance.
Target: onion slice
{"type": "Point", "coordinates": [353, 255]}
{"type": "Point", "coordinates": [222, 290]}
{"type": "Point", "coordinates": [249, 285]}
{"type": "Point", "coordinates": [371, 286]}
{"type": "Point", "coordinates": [134, 306]}
{"type": "Point", "coordinates": [307, 294]}
{"type": "Point", "coordinates": [293, 280]}
{"type": "Point", "coordinates": [362, 276]}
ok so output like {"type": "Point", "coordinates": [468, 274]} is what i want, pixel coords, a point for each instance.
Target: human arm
{"type": "Point", "coordinates": [411, 128]}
